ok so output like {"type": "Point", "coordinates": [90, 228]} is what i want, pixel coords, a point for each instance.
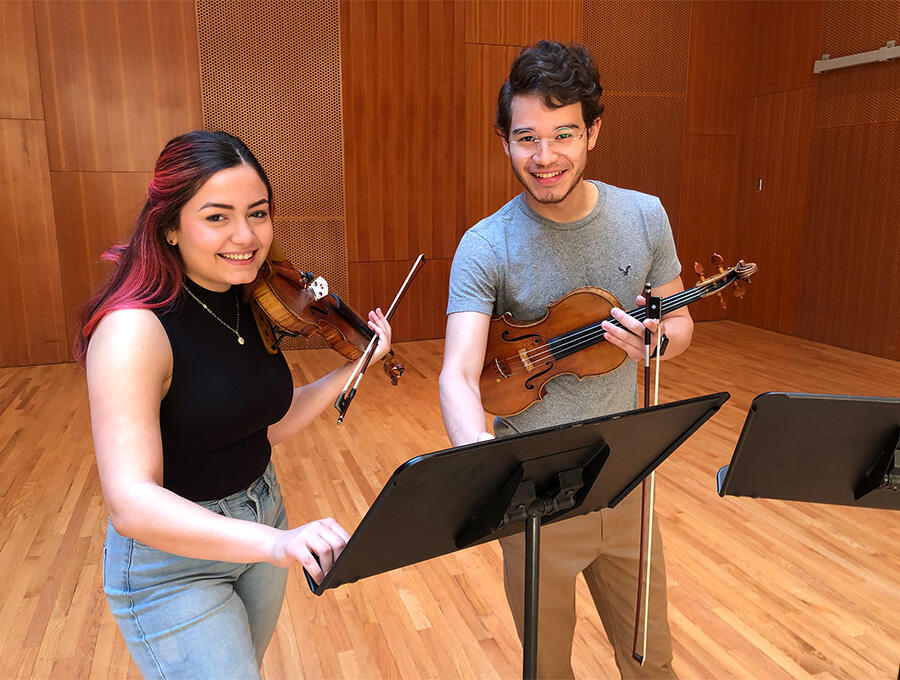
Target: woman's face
{"type": "Point", "coordinates": [225, 230]}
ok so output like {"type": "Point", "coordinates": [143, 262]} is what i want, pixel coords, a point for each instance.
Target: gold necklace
{"type": "Point", "coordinates": [237, 308]}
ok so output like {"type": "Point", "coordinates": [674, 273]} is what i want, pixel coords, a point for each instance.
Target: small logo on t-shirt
{"type": "Point", "coordinates": [626, 270]}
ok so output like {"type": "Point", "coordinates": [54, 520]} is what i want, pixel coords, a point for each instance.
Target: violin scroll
{"type": "Point", "coordinates": [739, 275]}
{"type": "Point", "coordinates": [393, 370]}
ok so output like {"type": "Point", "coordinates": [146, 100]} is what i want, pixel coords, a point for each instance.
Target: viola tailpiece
{"type": "Point", "coordinates": [521, 357]}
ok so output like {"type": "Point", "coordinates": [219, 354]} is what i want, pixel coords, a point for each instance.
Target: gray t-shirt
{"type": "Point", "coordinates": [518, 262]}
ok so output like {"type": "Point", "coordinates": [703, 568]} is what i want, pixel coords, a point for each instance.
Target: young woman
{"type": "Point", "coordinates": [185, 405]}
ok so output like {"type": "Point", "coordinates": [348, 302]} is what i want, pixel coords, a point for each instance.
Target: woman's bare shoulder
{"type": "Point", "coordinates": [131, 343]}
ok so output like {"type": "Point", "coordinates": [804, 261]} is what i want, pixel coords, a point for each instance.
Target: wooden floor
{"type": "Point", "coordinates": [757, 588]}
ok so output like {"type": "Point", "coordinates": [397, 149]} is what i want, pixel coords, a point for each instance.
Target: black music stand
{"type": "Point", "coordinates": [818, 448]}
{"type": "Point", "coordinates": [441, 502]}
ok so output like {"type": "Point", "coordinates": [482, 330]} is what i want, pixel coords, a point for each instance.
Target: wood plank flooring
{"type": "Point", "coordinates": [757, 588]}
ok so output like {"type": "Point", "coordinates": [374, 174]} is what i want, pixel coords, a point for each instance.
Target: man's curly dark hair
{"type": "Point", "coordinates": [562, 74]}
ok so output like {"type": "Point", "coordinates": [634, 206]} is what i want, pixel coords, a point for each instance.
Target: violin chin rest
{"type": "Point", "coordinates": [276, 253]}
{"type": "Point", "coordinates": [265, 329]}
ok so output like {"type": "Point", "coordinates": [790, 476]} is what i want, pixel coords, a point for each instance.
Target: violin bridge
{"type": "Point", "coordinates": [523, 355]}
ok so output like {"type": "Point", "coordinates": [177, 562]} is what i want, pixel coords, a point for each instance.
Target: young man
{"type": "Point", "coordinates": [560, 234]}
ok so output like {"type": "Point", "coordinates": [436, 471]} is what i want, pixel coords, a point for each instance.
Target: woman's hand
{"type": "Point", "coordinates": [379, 324]}
{"type": "Point", "coordinates": [315, 545]}
{"type": "Point", "coordinates": [310, 400]}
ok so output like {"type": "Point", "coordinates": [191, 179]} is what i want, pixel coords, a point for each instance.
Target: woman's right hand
{"type": "Point", "coordinates": [382, 327]}
{"type": "Point", "coordinates": [323, 539]}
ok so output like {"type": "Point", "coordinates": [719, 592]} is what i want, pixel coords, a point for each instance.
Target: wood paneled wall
{"type": "Point", "coordinates": [20, 80]}
{"type": "Point", "coordinates": [422, 162]}
{"type": "Point", "coordinates": [719, 46]}
{"type": "Point", "coordinates": [281, 96]}
{"type": "Point", "coordinates": [93, 211]}
{"type": "Point", "coordinates": [823, 225]}
{"type": "Point", "coordinates": [851, 230]}
{"type": "Point", "coordinates": [704, 99]}
{"type": "Point", "coordinates": [403, 84]}
{"type": "Point", "coordinates": [772, 181]}
{"type": "Point", "coordinates": [777, 109]}
{"type": "Point", "coordinates": [641, 51]}
{"type": "Point", "coordinates": [91, 91]}
{"type": "Point", "coordinates": [119, 80]}
{"type": "Point", "coordinates": [33, 327]}
{"type": "Point", "coordinates": [489, 181]}
{"type": "Point", "coordinates": [111, 105]}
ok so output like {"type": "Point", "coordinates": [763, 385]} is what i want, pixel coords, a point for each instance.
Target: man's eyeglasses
{"type": "Point", "coordinates": [529, 145]}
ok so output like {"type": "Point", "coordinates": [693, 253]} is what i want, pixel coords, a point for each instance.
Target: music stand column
{"type": "Point", "coordinates": [527, 504]}
{"type": "Point", "coordinates": [532, 596]}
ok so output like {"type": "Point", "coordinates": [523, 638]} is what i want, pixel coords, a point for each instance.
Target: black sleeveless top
{"type": "Point", "coordinates": [223, 397]}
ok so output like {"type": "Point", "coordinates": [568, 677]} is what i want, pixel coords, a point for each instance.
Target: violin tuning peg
{"type": "Point", "coordinates": [739, 287]}
{"type": "Point", "coordinates": [718, 262]}
{"type": "Point", "coordinates": [698, 268]}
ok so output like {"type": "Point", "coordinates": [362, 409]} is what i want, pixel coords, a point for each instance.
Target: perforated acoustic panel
{"type": "Point", "coordinates": [639, 45]}
{"type": "Point", "coordinates": [640, 147]}
{"type": "Point", "coordinates": [868, 93]}
{"type": "Point", "coordinates": [641, 51]}
{"type": "Point", "coordinates": [270, 73]}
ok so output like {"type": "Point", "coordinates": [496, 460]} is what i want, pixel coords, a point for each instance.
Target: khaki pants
{"type": "Point", "coordinates": [605, 547]}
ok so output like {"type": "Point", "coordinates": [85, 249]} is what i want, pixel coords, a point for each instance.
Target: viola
{"type": "Point", "coordinates": [521, 357]}
{"type": "Point", "coordinates": [289, 303]}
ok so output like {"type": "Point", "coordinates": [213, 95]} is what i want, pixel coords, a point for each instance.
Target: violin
{"type": "Point", "coordinates": [521, 357]}
{"type": "Point", "coordinates": [289, 303]}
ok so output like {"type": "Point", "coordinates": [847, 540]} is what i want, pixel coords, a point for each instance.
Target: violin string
{"type": "Point", "coordinates": [594, 332]}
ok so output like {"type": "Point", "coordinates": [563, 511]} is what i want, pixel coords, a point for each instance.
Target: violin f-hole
{"type": "Point", "coordinates": [505, 336]}
{"type": "Point", "coordinates": [528, 383]}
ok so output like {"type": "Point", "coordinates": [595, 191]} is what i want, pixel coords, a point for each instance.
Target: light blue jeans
{"type": "Point", "coordinates": [189, 618]}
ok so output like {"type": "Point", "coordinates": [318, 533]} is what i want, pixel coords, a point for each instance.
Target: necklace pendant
{"type": "Point", "coordinates": [240, 340]}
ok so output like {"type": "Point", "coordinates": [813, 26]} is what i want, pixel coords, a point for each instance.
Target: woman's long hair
{"type": "Point", "coordinates": [149, 271]}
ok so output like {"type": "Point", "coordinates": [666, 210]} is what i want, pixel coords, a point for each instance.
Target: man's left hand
{"type": "Point", "coordinates": [630, 337]}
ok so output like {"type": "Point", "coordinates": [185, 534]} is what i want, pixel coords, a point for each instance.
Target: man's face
{"type": "Point", "coordinates": [550, 169]}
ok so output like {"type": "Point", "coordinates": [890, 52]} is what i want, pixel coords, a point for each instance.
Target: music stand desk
{"type": "Point", "coordinates": [428, 501]}
{"type": "Point", "coordinates": [818, 448]}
